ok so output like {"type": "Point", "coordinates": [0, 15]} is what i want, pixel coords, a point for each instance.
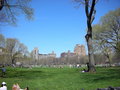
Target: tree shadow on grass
{"type": "Point", "coordinates": [28, 74]}
{"type": "Point", "coordinates": [105, 75]}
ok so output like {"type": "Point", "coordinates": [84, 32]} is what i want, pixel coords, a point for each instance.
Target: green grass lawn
{"type": "Point", "coordinates": [62, 78]}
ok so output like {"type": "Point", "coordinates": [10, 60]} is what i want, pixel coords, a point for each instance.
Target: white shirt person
{"type": "Point", "coordinates": [3, 87]}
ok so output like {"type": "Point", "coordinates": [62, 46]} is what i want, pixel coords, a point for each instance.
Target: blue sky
{"type": "Point", "coordinates": [57, 26]}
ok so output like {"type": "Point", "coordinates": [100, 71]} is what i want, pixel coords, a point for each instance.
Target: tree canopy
{"type": "Point", "coordinates": [13, 48]}
{"type": "Point", "coordinates": [108, 30]}
{"type": "Point", "coordinates": [106, 34]}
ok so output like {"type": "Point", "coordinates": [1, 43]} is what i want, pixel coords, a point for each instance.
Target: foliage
{"type": "Point", "coordinates": [111, 24]}
{"type": "Point", "coordinates": [108, 30]}
{"type": "Point", "coordinates": [62, 78]}
{"type": "Point", "coordinates": [12, 48]}
{"type": "Point", "coordinates": [107, 34]}
{"type": "Point", "coordinates": [2, 41]}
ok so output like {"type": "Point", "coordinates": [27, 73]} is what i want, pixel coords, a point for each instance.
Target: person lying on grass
{"type": "Point", "coordinates": [17, 87]}
{"type": "Point", "coordinates": [84, 70]}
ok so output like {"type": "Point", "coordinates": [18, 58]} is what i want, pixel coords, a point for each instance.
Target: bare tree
{"type": "Point", "coordinates": [10, 9]}
{"type": "Point", "coordinates": [15, 49]}
{"type": "Point", "coordinates": [90, 14]}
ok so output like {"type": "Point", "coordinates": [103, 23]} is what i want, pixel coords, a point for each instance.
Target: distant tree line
{"type": "Point", "coordinates": [74, 60]}
{"type": "Point", "coordinates": [11, 50]}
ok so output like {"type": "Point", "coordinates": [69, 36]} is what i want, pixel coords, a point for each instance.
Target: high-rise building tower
{"type": "Point", "coordinates": [35, 53]}
{"type": "Point", "coordinates": [80, 50]}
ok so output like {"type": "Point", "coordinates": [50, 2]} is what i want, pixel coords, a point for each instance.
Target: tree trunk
{"type": "Point", "coordinates": [91, 67]}
{"type": "Point", "coordinates": [1, 4]}
{"type": "Point", "coordinates": [90, 14]}
{"type": "Point", "coordinates": [109, 59]}
{"type": "Point", "coordinates": [13, 61]}
{"type": "Point", "coordinates": [90, 47]}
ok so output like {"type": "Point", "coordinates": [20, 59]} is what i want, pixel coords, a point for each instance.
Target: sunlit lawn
{"type": "Point", "coordinates": [62, 78]}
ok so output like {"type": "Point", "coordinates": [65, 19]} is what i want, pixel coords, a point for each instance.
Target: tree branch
{"type": "Point", "coordinates": [92, 9]}
{"type": "Point", "coordinates": [86, 8]}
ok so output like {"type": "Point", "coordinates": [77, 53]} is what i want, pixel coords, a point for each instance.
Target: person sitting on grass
{"type": "Point", "coordinates": [3, 71]}
{"type": "Point", "coordinates": [3, 86]}
{"type": "Point", "coordinates": [84, 70]}
{"type": "Point", "coordinates": [17, 87]}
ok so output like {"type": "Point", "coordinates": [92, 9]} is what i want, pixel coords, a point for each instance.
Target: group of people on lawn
{"type": "Point", "coordinates": [14, 87]}
{"type": "Point", "coordinates": [4, 85]}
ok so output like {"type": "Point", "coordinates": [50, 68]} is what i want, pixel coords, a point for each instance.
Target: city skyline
{"type": "Point", "coordinates": [58, 26]}
{"type": "Point", "coordinates": [78, 49]}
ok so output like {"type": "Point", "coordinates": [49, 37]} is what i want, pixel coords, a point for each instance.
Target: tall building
{"type": "Point", "coordinates": [80, 50]}
{"type": "Point", "coordinates": [67, 54]}
{"type": "Point", "coordinates": [53, 55]}
{"type": "Point", "coordinates": [35, 53]}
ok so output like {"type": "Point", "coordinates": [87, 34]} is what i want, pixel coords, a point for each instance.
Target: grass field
{"type": "Point", "coordinates": [62, 78]}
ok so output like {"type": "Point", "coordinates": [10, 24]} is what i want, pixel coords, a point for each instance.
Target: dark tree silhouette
{"type": "Point", "coordinates": [10, 9]}
{"type": "Point", "coordinates": [90, 15]}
